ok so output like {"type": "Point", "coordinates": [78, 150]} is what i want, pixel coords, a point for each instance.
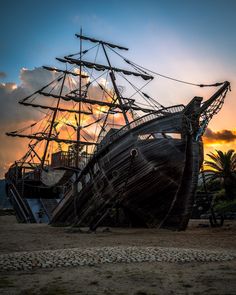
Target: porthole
{"type": "Point", "coordinates": [134, 153]}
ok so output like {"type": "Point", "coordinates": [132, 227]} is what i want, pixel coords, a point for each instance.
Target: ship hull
{"type": "Point", "coordinates": [145, 172]}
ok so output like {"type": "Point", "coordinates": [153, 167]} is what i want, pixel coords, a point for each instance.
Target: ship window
{"type": "Point", "coordinates": [145, 136]}
{"type": "Point", "coordinates": [79, 186]}
{"type": "Point", "coordinates": [159, 135]}
{"type": "Point", "coordinates": [87, 178]}
{"type": "Point", "coordinates": [149, 136]}
{"type": "Point", "coordinates": [173, 135]}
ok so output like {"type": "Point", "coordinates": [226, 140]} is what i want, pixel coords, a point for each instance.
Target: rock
{"type": "Point", "coordinates": [98, 255]}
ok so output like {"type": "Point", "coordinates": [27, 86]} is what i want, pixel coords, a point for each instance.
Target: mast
{"type": "Point", "coordinates": [52, 122]}
{"type": "Point", "coordinates": [112, 75]}
{"type": "Point", "coordinates": [80, 95]}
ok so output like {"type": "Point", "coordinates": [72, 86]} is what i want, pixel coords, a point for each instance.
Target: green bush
{"type": "Point", "coordinates": [223, 207]}
{"type": "Point", "coordinates": [220, 195]}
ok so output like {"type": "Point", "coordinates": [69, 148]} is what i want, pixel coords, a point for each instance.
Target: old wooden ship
{"type": "Point", "coordinates": [124, 159]}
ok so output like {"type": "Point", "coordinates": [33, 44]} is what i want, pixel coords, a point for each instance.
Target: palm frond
{"type": "Point", "coordinates": [221, 165]}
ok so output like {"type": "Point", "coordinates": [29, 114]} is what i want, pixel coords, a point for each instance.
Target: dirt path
{"type": "Point", "coordinates": [16, 237]}
{"type": "Point", "coordinates": [134, 278]}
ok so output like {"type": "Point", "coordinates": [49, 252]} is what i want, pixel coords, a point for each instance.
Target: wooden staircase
{"type": "Point", "coordinates": [23, 212]}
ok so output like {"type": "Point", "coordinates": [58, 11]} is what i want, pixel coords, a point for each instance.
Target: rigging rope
{"type": "Point", "coordinates": [151, 101]}
{"type": "Point", "coordinates": [143, 69]}
{"type": "Point", "coordinates": [83, 52]}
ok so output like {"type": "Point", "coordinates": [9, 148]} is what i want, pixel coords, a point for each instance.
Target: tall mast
{"type": "Point", "coordinates": [80, 95]}
{"type": "Point", "coordinates": [112, 75]}
{"type": "Point", "coordinates": [52, 122]}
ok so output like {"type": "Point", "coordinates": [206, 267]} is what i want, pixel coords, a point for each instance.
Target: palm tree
{"type": "Point", "coordinates": [222, 166]}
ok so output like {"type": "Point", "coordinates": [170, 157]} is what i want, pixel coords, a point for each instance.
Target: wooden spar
{"type": "Point", "coordinates": [112, 75]}
{"type": "Point", "coordinates": [54, 95]}
{"type": "Point", "coordinates": [211, 107]}
{"type": "Point", "coordinates": [94, 102]}
{"type": "Point", "coordinates": [209, 102]}
{"type": "Point", "coordinates": [100, 41]}
{"type": "Point", "coordinates": [65, 72]}
{"type": "Point", "coordinates": [39, 138]}
{"type": "Point", "coordinates": [54, 108]}
{"type": "Point", "coordinates": [52, 123]}
{"type": "Point", "coordinates": [100, 67]}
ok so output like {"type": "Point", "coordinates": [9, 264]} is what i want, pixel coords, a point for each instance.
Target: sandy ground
{"type": "Point", "coordinates": [133, 278]}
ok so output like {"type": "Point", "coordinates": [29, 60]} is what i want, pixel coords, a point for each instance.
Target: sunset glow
{"type": "Point", "coordinates": [159, 36]}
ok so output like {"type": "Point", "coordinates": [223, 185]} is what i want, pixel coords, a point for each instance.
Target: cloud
{"type": "Point", "coordinates": [2, 75]}
{"type": "Point", "coordinates": [14, 116]}
{"type": "Point", "coordinates": [32, 80]}
{"type": "Point", "coordinates": [219, 136]}
{"type": "Point", "coordinates": [11, 93]}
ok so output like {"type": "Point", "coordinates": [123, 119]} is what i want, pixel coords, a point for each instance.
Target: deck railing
{"type": "Point", "coordinates": [68, 159]}
{"type": "Point", "coordinates": [137, 122]}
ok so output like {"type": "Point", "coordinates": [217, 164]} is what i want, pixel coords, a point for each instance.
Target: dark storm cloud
{"type": "Point", "coordinates": [11, 93]}
{"type": "Point", "coordinates": [10, 110]}
{"type": "Point", "coordinates": [223, 135]}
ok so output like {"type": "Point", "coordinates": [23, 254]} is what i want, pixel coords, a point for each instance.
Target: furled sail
{"type": "Point", "coordinates": [68, 141]}
{"type": "Point", "coordinates": [100, 67]}
{"type": "Point", "coordinates": [96, 102]}
{"type": "Point", "coordinates": [64, 71]}
{"type": "Point", "coordinates": [101, 42]}
{"type": "Point", "coordinates": [54, 108]}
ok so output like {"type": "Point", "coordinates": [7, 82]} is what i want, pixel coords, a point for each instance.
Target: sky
{"type": "Point", "coordinates": [190, 40]}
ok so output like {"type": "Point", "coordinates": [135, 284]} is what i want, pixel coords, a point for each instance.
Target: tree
{"type": "Point", "coordinates": [222, 166]}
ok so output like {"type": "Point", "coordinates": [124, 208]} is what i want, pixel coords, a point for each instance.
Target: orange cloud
{"type": "Point", "coordinates": [223, 140]}
{"type": "Point", "coordinates": [219, 137]}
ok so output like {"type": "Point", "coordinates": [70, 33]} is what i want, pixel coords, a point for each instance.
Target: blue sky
{"type": "Point", "coordinates": [33, 32]}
